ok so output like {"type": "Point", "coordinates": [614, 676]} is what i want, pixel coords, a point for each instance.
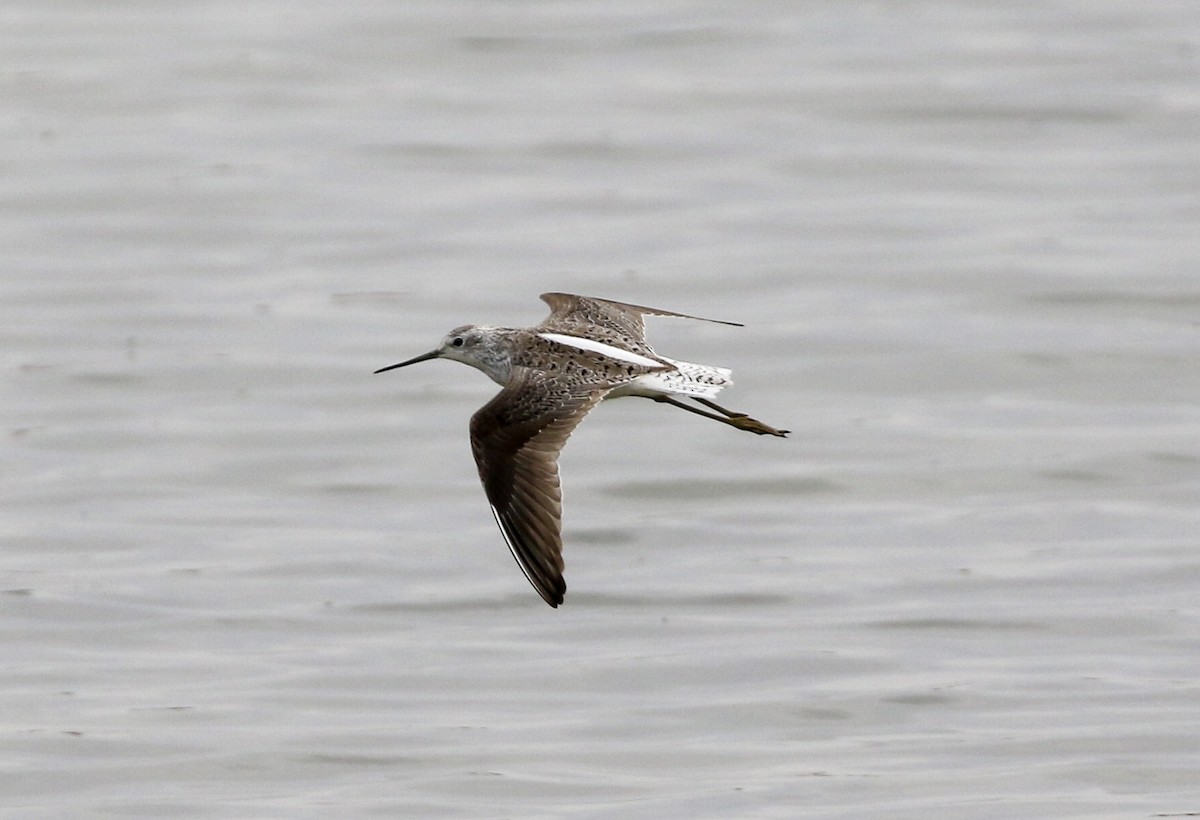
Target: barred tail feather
{"type": "Point", "coordinates": [688, 379]}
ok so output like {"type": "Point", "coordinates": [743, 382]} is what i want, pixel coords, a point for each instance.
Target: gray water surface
{"type": "Point", "coordinates": [240, 576]}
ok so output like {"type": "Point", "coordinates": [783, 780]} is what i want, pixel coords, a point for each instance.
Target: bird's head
{"type": "Point", "coordinates": [476, 345]}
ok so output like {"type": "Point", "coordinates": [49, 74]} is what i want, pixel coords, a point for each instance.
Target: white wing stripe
{"type": "Point", "coordinates": [602, 348]}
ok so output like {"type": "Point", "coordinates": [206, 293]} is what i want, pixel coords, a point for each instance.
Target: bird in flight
{"type": "Point", "coordinates": [551, 375]}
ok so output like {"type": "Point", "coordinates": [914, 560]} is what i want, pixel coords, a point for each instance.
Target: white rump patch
{"type": "Point", "coordinates": [687, 379]}
{"type": "Point", "coordinates": [592, 345]}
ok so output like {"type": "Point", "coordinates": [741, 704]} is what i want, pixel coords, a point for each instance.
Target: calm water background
{"type": "Point", "coordinates": [243, 577]}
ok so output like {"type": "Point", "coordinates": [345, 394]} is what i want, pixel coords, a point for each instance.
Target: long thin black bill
{"type": "Point", "coordinates": [424, 357]}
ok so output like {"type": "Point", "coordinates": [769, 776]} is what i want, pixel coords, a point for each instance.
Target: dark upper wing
{"type": "Point", "coordinates": [616, 323]}
{"type": "Point", "coordinates": [516, 438]}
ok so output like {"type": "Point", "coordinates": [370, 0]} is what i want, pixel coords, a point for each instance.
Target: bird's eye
{"type": "Point", "coordinates": [458, 341]}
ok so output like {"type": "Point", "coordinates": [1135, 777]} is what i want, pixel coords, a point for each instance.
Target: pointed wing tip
{"type": "Point", "coordinates": [551, 595]}
{"type": "Point", "coordinates": [551, 588]}
{"type": "Point", "coordinates": [552, 297]}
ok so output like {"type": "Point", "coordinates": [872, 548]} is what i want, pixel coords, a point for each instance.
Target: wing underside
{"type": "Point", "coordinates": [516, 439]}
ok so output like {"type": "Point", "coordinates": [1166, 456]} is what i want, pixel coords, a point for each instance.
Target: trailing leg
{"type": "Point", "coordinates": [739, 420]}
{"type": "Point", "coordinates": [712, 404]}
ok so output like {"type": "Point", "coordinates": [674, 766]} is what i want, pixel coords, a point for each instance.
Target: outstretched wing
{"type": "Point", "coordinates": [516, 438]}
{"type": "Point", "coordinates": [615, 323]}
